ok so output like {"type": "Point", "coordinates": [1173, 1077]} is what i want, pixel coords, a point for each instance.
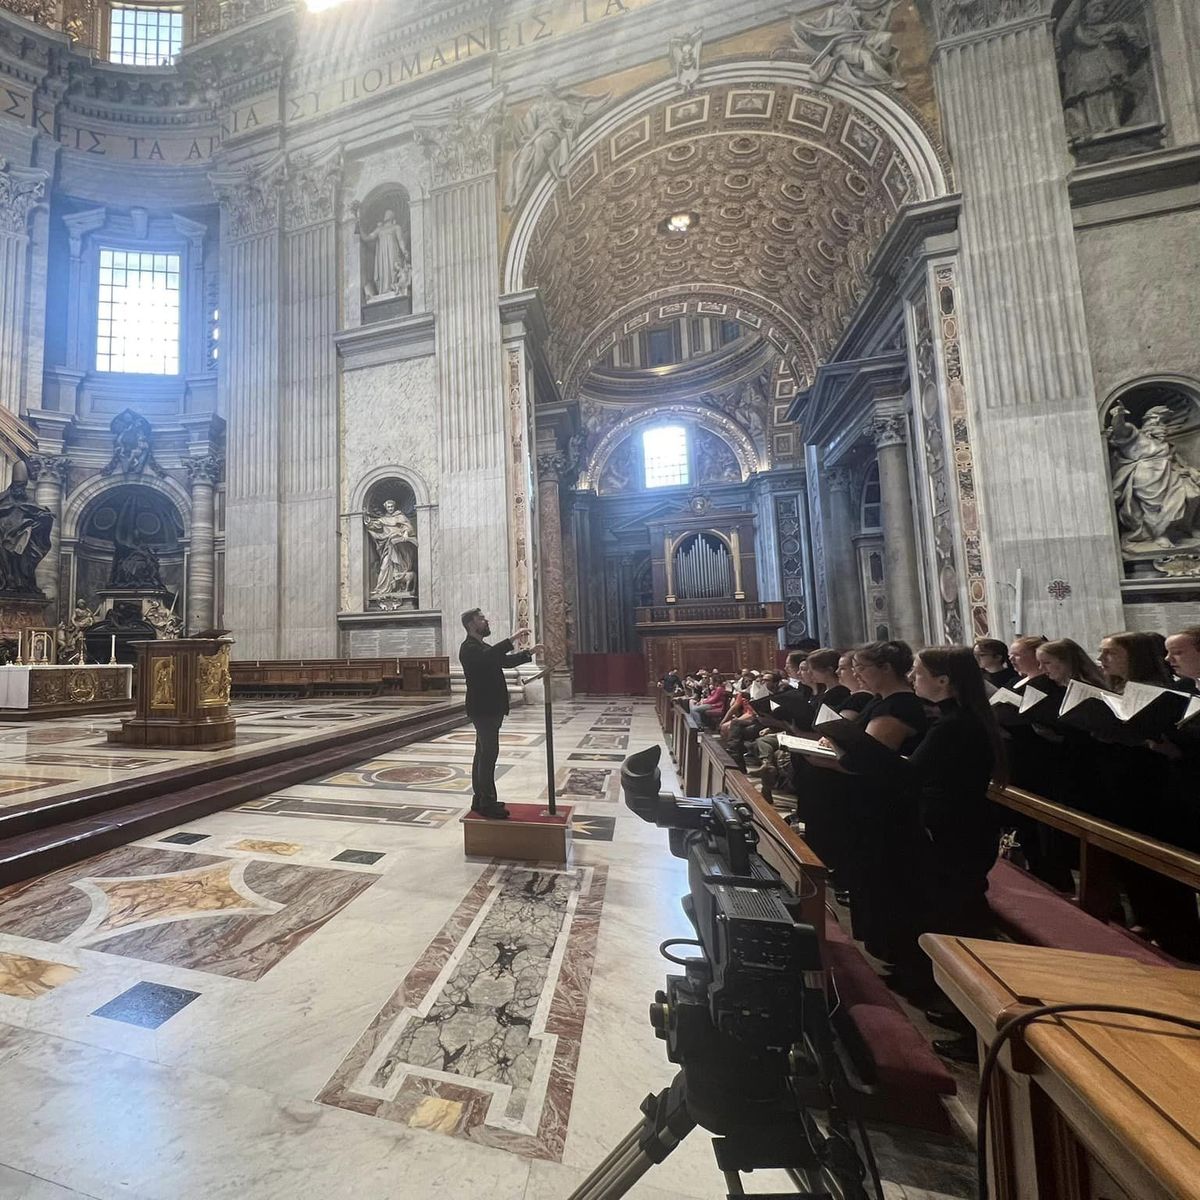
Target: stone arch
{"type": "Point", "coordinates": [750, 460]}
{"type": "Point", "coordinates": [366, 482]}
{"type": "Point", "coordinates": [876, 141]}
{"type": "Point", "coordinates": [93, 488]}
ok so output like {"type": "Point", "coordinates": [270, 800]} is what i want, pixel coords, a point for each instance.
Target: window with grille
{"type": "Point", "coordinates": [665, 455]}
{"type": "Point", "coordinates": [144, 37]}
{"type": "Point", "coordinates": [872, 502]}
{"type": "Point", "coordinates": [137, 318]}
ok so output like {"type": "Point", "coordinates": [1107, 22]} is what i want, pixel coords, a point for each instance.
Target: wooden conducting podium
{"type": "Point", "coordinates": [182, 695]}
{"type": "Point", "coordinates": [1090, 1106]}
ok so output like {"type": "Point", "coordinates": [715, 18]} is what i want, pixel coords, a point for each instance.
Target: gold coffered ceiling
{"type": "Point", "coordinates": [792, 188]}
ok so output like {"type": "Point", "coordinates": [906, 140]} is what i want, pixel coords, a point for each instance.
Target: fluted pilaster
{"type": "Point", "coordinates": [251, 376]}
{"type": "Point", "coordinates": [890, 433]}
{"type": "Point", "coordinates": [1043, 481]}
{"type": "Point", "coordinates": [486, 553]}
{"type": "Point", "coordinates": [21, 191]}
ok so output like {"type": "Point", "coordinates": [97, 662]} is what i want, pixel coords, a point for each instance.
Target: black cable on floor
{"type": "Point", "coordinates": [1014, 1026]}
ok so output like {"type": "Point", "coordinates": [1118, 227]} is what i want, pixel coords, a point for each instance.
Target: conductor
{"type": "Point", "coordinates": [487, 702]}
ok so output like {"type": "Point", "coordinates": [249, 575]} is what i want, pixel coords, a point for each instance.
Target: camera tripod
{"type": "Point", "coordinates": [759, 1104]}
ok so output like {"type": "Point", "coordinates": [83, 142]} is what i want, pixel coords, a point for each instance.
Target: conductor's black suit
{"type": "Point", "coordinates": [487, 706]}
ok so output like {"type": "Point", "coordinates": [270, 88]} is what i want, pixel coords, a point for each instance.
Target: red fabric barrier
{"type": "Point", "coordinates": [610, 674]}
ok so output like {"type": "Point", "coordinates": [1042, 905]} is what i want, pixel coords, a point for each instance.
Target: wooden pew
{"type": "Point", "coordinates": [369, 676]}
{"type": "Point", "coordinates": [1102, 846]}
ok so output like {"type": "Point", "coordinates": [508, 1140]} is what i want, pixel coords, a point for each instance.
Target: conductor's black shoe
{"type": "Point", "coordinates": [493, 812]}
{"type": "Point", "coordinates": [945, 1018]}
{"type": "Point", "coordinates": [959, 1049]}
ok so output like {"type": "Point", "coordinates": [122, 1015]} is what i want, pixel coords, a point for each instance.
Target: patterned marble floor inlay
{"type": "Point", "coordinates": [28, 978]}
{"type": "Point", "coordinates": [604, 741]}
{"type": "Point", "coordinates": [508, 737]}
{"type": "Point", "coordinates": [482, 1038]}
{"type": "Point", "coordinates": [228, 916]}
{"type": "Point", "coordinates": [596, 758]}
{"type": "Point", "coordinates": [264, 846]}
{"type": "Point", "coordinates": [364, 858]}
{"type": "Point", "coordinates": [147, 1005]}
{"type": "Point", "coordinates": [408, 777]}
{"type": "Point", "coordinates": [593, 829]}
{"type": "Point", "coordinates": [588, 783]}
{"type": "Point", "coordinates": [357, 811]}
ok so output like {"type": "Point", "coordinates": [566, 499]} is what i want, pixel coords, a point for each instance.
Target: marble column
{"type": "Point", "coordinates": [308, 445]}
{"type": "Point", "coordinates": [589, 610]}
{"type": "Point", "coordinates": [841, 580]}
{"type": "Point", "coordinates": [204, 471]}
{"type": "Point", "coordinates": [21, 191]}
{"type": "Point", "coordinates": [251, 356]}
{"type": "Point", "coordinates": [550, 469]}
{"type": "Point", "coordinates": [890, 433]}
{"type": "Point", "coordinates": [53, 481]}
{"type": "Point", "coordinates": [486, 551]}
{"type": "Point", "coordinates": [1044, 494]}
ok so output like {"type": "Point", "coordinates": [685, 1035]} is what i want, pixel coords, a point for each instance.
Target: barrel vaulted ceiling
{"type": "Point", "coordinates": [790, 188]}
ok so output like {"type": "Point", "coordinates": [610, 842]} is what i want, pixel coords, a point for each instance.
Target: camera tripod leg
{"type": "Point", "coordinates": [664, 1124]}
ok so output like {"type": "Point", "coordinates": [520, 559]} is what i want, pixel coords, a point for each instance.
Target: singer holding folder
{"type": "Point", "coordinates": [487, 702]}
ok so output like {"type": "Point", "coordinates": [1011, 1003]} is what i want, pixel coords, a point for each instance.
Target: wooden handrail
{"type": "Point", "coordinates": [1103, 836]}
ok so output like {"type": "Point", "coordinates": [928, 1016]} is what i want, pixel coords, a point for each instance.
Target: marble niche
{"type": "Point", "coordinates": [383, 228]}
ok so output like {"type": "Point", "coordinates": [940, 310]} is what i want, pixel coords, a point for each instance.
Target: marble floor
{"type": "Point", "coordinates": [42, 759]}
{"type": "Point", "coordinates": [316, 995]}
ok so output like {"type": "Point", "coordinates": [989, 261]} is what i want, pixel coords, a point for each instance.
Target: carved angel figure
{"type": "Point", "coordinates": [685, 59]}
{"type": "Point", "coordinates": [164, 620]}
{"type": "Point", "coordinates": [393, 267]}
{"type": "Point", "coordinates": [395, 539]}
{"type": "Point", "coordinates": [1157, 494]}
{"type": "Point", "coordinates": [545, 136]}
{"type": "Point", "coordinates": [850, 43]}
{"type": "Point", "coordinates": [1100, 56]}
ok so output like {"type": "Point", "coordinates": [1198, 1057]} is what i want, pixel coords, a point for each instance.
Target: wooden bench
{"type": "Point", "coordinates": [1032, 912]}
{"type": "Point", "coordinates": [340, 676]}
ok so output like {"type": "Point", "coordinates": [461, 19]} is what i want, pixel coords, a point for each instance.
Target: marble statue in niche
{"type": "Point", "coordinates": [24, 536]}
{"type": "Point", "coordinates": [685, 50]}
{"type": "Point", "coordinates": [385, 256]}
{"type": "Point", "coordinates": [850, 43]}
{"type": "Point", "coordinates": [132, 452]}
{"type": "Point", "coordinates": [392, 537]}
{"type": "Point", "coordinates": [1104, 57]}
{"type": "Point", "coordinates": [545, 136]}
{"type": "Point", "coordinates": [1157, 493]}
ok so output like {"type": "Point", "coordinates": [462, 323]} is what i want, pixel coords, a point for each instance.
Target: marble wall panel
{"type": "Point", "coordinates": [389, 419]}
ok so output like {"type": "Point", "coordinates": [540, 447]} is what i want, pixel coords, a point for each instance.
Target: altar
{"type": "Point", "coordinates": [42, 690]}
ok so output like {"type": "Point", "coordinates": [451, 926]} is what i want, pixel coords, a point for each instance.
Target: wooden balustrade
{"type": "Point", "coordinates": [710, 612]}
{"type": "Point", "coordinates": [1101, 847]}
{"type": "Point", "coordinates": [371, 676]}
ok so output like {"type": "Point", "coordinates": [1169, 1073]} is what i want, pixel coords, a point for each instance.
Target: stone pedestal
{"type": "Point", "coordinates": [182, 695]}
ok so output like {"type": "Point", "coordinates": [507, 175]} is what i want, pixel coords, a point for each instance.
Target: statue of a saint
{"type": "Point", "coordinates": [393, 266]}
{"type": "Point", "coordinates": [24, 536]}
{"type": "Point", "coordinates": [166, 623]}
{"type": "Point", "coordinates": [684, 50]}
{"type": "Point", "coordinates": [1157, 494]}
{"type": "Point", "coordinates": [395, 540]}
{"type": "Point", "coordinates": [544, 137]}
{"type": "Point", "coordinates": [1100, 56]}
{"type": "Point", "coordinates": [851, 43]}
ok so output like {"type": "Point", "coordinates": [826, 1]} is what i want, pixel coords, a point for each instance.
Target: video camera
{"type": "Point", "coordinates": [747, 1021]}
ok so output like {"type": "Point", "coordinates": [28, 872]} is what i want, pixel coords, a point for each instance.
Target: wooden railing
{"type": "Point", "coordinates": [710, 612]}
{"type": "Point", "coordinates": [705, 769]}
{"type": "Point", "coordinates": [310, 675]}
{"type": "Point", "coordinates": [1101, 847]}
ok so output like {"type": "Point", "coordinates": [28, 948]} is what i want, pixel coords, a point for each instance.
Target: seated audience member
{"type": "Point", "coordinates": [745, 681]}
{"type": "Point", "coordinates": [993, 660]}
{"type": "Point", "coordinates": [1022, 653]}
{"type": "Point", "coordinates": [711, 706]}
{"type": "Point", "coordinates": [761, 686]}
{"type": "Point", "coordinates": [670, 682]}
{"type": "Point", "coordinates": [745, 726]}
